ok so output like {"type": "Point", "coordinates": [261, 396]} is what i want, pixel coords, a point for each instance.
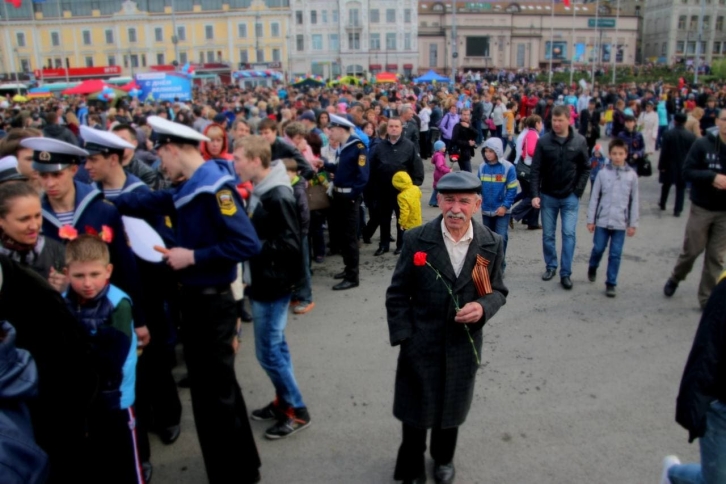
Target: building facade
{"type": "Point", "coordinates": [523, 35]}
{"type": "Point", "coordinates": [135, 36]}
{"type": "Point", "coordinates": [353, 37]}
{"type": "Point", "coordinates": [671, 28]}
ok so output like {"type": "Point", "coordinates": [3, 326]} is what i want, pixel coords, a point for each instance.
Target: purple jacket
{"type": "Point", "coordinates": [447, 125]}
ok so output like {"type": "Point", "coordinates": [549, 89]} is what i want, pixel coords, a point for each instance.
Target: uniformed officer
{"type": "Point", "coordinates": [213, 235]}
{"type": "Point", "coordinates": [69, 204]}
{"type": "Point", "coordinates": [351, 176]}
{"type": "Point", "coordinates": [157, 399]}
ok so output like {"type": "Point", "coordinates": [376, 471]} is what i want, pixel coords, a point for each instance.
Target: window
{"type": "Point", "coordinates": [317, 42]}
{"type": "Point", "coordinates": [300, 42]}
{"type": "Point", "coordinates": [260, 55]}
{"type": "Point", "coordinates": [433, 55]}
{"type": "Point", "coordinates": [375, 16]}
{"type": "Point", "coordinates": [132, 35]}
{"type": "Point", "coordinates": [243, 56]}
{"type": "Point", "coordinates": [89, 61]}
{"type": "Point", "coordinates": [242, 31]}
{"type": "Point", "coordinates": [183, 58]}
{"type": "Point", "coordinates": [111, 60]}
{"type": "Point", "coordinates": [333, 42]}
{"type": "Point", "coordinates": [276, 56]}
{"type": "Point", "coordinates": [275, 29]}
{"type": "Point", "coordinates": [353, 17]}
{"type": "Point", "coordinates": [664, 49]}
{"type": "Point", "coordinates": [691, 48]}
{"type": "Point", "coordinates": [201, 57]}
{"type": "Point", "coordinates": [375, 41]}
{"type": "Point", "coordinates": [86, 35]}
{"type": "Point", "coordinates": [324, 16]}
{"type": "Point", "coordinates": [354, 41]}
{"type": "Point", "coordinates": [313, 17]}
{"type": "Point", "coordinates": [143, 60]}
{"type": "Point", "coordinates": [160, 61]}
{"type": "Point", "coordinates": [335, 16]}
{"type": "Point", "coordinates": [706, 22]}
{"type": "Point", "coordinates": [719, 23]}
{"type": "Point", "coordinates": [680, 45]}
{"type": "Point", "coordinates": [159, 34]}
{"type": "Point", "coordinates": [259, 30]}
{"type": "Point", "coordinates": [55, 39]}
{"type": "Point", "coordinates": [716, 49]}
{"type": "Point", "coordinates": [20, 36]}
{"type": "Point", "coordinates": [407, 16]}
{"type": "Point", "coordinates": [407, 41]}
{"type": "Point", "coordinates": [682, 22]}
{"type": "Point", "coordinates": [58, 63]}
{"type": "Point", "coordinates": [702, 50]}
{"type": "Point", "coordinates": [391, 15]}
{"type": "Point", "coordinates": [209, 32]}
{"type": "Point", "coordinates": [25, 65]}
{"type": "Point", "coordinates": [210, 56]}
{"type": "Point", "coordinates": [298, 17]}
{"type": "Point", "coordinates": [391, 41]}
{"type": "Point", "coordinates": [181, 33]}
{"type": "Point", "coordinates": [134, 60]}
{"type": "Point", "coordinates": [109, 36]}
{"type": "Point", "coordinates": [694, 22]}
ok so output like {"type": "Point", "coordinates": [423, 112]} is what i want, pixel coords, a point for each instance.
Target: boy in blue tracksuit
{"type": "Point", "coordinates": [498, 189]}
{"type": "Point", "coordinates": [104, 311]}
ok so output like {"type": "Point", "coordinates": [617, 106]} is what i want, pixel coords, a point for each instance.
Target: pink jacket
{"type": "Point", "coordinates": [439, 161]}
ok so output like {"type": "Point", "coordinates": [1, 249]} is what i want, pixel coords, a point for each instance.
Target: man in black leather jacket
{"type": "Point", "coordinates": [280, 149]}
{"type": "Point", "coordinates": [270, 277]}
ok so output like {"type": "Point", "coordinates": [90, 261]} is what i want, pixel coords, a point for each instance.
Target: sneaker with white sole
{"type": "Point", "coordinates": [668, 462]}
{"type": "Point", "coordinates": [296, 420]}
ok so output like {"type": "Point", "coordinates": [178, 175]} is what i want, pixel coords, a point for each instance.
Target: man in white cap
{"type": "Point", "coordinates": [9, 170]}
{"type": "Point", "coordinates": [213, 234]}
{"type": "Point", "coordinates": [103, 164]}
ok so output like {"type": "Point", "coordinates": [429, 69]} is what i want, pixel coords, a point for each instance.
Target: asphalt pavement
{"type": "Point", "coordinates": [574, 387]}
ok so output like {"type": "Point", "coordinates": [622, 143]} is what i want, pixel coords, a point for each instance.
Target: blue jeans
{"type": "Point", "coordinates": [499, 225]}
{"type": "Point", "coordinates": [712, 469]}
{"type": "Point", "coordinates": [600, 241]}
{"type": "Point", "coordinates": [476, 125]}
{"type": "Point", "coordinates": [303, 291]}
{"type": "Point", "coordinates": [270, 319]}
{"type": "Point", "coordinates": [433, 200]}
{"type": "Point", "coordinates": [551, 207]}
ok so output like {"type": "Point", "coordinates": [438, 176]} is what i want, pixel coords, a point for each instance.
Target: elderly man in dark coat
{"type": "Point", "coordinates": [446, 286]}
{"type": "Point", "coordinates": [675, 145]}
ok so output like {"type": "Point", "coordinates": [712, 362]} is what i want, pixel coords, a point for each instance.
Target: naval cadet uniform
{"type": "Point", "coordinates": [157, 400]}
{"type": "Point", "coordinates": [351, 175]}
{"type": "Point", "coordinates": [212, 222]}
{"type": "Point", "coordinates": [91, 212]}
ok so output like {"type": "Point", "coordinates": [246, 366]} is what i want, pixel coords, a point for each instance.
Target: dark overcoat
{"type": "Point", "coordinates": [437, 365]}
{"type": "Point", "coordinates": [675, 145]}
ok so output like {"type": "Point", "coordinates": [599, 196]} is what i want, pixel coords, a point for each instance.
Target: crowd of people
{"type": "Point", "coordinates": [243, 185]}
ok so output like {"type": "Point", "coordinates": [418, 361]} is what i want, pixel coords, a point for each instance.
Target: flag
{"type": "Point", "coordinates": [566, 2]}
{"type": "Point", "coordinates": [14, 3]}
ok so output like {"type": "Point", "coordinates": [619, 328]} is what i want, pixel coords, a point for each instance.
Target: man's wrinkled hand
{"type": "Point", "coordinates": [470, 313]}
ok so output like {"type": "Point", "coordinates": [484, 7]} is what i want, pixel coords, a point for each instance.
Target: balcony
{"type": "Point", "coordinates": [425, 31]}
{"type": "Point", "coordinates": [354, 27]}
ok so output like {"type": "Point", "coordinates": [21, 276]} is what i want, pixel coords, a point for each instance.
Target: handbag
{"type": "Point", "coordinates": [524, 172]}
{"type": "Point", "coordinates": [317, 197]}
{"type": "Point", "coordinates": [645, 169]}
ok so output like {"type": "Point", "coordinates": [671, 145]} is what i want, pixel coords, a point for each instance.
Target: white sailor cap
{"type": "Point", "coordinates": [9, 169]}
{"type": "Point", "coordinates": [103, 142]}
{"type": "Point", "coordinates": [166, 131]}
{"type": "Point", "coordinates": [340, 122]}
{"type": "Point", "coordinates": [51, 155]}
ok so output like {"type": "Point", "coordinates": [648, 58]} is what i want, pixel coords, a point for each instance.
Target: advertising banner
{"type": "Point", "coordinates": [557, 49]}
{"type": "Point", "coordinates": [164, 86]}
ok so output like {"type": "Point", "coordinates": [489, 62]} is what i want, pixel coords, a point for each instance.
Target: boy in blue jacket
{"type": "Point", "coordinates": [498, 189]}
{"type": "Point", "coordinates": [105, 312]}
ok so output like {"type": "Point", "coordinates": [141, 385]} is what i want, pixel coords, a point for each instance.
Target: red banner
{"type": "Point", "coordinates": [79, 72]}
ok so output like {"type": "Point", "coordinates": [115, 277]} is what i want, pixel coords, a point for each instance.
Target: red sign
{"type": "Point", "coordinates": [79, 72]}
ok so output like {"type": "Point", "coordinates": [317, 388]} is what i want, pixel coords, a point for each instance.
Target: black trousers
{"type": "Point", "coordinates": [220, 415]}
{"type": "Point", "coordinates": [410, 463]}
{"type": "Point", "coordinates": [425, 144]}
{"type": "Point", "coordinates": [345, 213]}
{"type": "Point", "coordinates": [387, 206]}
{"type": "Point", "coordinates": [112, 450]}
{"type": "Point", "coordinates": [680, 195]}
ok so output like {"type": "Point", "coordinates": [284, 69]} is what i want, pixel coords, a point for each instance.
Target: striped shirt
{"type": "Point", "coordinates": [111, 193]}
{"type": "Point", "coordinates": [66, 218]}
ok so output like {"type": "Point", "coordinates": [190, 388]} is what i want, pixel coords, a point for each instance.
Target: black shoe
{"type": "Point", "coordinates": [662, 206]}
{"type": "Point", "coordinates": [419, 480]}
{"type": "Point", "coordinates": [340, 275]}
{"type": "Point", "coordinates": [609, 290]}
{"type": "Point", "coordinates": [444, 474]}
{"type": "Point", "coordinates": [170, 434]}
{"type": "Point", "coordinates": [273, 411]}
{"type": "Point", "coordinates": [670, 287]}
{"type": "Point", "coordinates": [397, 251]}
{"type": "Point", "coordinates": [591, 274]}
{"type": "Point", "coordinates": [345, 285]}
{"type": "Point", "coordinates": [147, 470]}
{"type": "Point", "coordinates": [534, 227]}
{"type": "Point", "coordinates": [296, 420]}
{"type": "Point", "coordinates": [549, 274]}
{"type": "Point", "coordinates": [380, 251]}
{"type": "Point", "coordinates": [184, 382]}
{"type": "Point", "coordinates": [566, 283]}
{"type": "Point", "coordinates": [366, 240]}
{"type": "Point", "coordinates": [676, 214]}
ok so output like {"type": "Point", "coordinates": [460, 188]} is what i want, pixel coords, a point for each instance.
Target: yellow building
{"type": "Point", "coordinates": [133, 36]}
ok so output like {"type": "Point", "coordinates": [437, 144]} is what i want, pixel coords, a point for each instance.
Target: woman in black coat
{"type": "Point", "coordinates": [675, 145]}
{"type": "Point", "coordinates": [464, 138]}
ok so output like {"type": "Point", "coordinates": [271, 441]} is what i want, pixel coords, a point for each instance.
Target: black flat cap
{"type": "Point", "coordinates": [459, 182]}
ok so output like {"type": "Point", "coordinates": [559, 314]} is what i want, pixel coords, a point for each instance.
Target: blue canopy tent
{"type": "Point", "coordinates": [431, 76]}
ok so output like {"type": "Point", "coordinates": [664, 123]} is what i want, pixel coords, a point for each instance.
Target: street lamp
{"type": "Point", "coordinates": [174, 36]}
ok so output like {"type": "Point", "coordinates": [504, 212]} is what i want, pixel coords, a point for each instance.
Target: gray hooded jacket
{"type": "Point", "coordinates": [614, 200]}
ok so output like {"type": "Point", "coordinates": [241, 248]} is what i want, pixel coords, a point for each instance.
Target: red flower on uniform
{"type": "Point", "coordinates": [67, 232]}
{"type": "Point", "coordinates": [419, 259]}
{"type": "Point", "coordinates": [106, 234]}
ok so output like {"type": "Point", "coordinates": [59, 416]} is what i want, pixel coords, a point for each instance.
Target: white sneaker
{"type": "Point", "coordinates": [668, 462]}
